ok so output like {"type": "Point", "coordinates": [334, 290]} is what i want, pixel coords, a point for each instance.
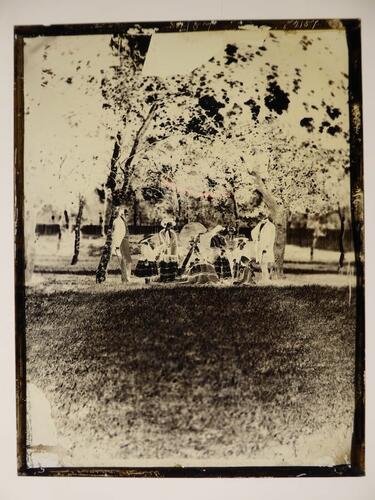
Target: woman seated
{"type": "Point", "coordinates": [168, 251]}
{"type": "Point", "coordinates": [146, 266]}
{"type": "Point", "coordinates": [219, 257]}
{"type": "Point", "coordinates": [168, 270]}
{"type": "Point", "coordinates": [245, 274]}
{"type": "Point", "coordinates": [201, 272]}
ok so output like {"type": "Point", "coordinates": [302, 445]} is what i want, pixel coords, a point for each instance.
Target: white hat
{"type": "Point", "coordinates": [164, 222]}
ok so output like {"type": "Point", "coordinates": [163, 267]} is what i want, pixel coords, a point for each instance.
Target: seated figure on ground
{"type": "Point", "coordinates": [146, 266]}
{"type": "Point", "coordinates": [201, 272]}
{"type": "Point", "coordinates": [219, 257]}
{"type": "Point", "coordinates": [168, 251]}
{"type": "Point", "coordinates": [245, 274]}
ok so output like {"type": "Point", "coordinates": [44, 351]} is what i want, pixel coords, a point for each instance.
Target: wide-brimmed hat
{"type": "Point", "coordinates": [164, 222]}
{"type": "Point", "coordinates": [146, 238]}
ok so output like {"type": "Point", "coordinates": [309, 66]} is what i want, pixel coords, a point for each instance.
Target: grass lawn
{"type": "Point", "coordinates": [196, 374]}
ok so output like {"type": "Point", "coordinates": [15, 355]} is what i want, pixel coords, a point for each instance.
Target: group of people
{"type": "Point", "coordinates": [213, 256]}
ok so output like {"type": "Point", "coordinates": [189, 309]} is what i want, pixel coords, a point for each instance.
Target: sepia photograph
{"type": "Point", "coordinates": [189, 233]}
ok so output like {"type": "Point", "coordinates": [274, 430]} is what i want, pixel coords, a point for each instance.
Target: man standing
{"type": "Point", "coordinates": [263, 235]}
{"type": "Point", "coordinates": [120, 244]}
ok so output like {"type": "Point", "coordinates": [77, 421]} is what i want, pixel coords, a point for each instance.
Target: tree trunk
{"type": "Point", "coordinates": [279, 215]}
{"type": "Point", "coordinates": [135, 210]}
{"type": "Point", "coordinates": [235, 206]}
{"type": "Point", "coordinates": [314, 239]}
{"type": "Point", "coordinates": [111, 181]}
{"type": "Point", "coordinates": [312, 247]}
{"type": "Point", "coordinates": [101, 224]}
{"type": "Point", "coordinates": [102, 214]}
{"type": "Point", "coordinates": [178, 206]}
{"type": "Point", "coordinates": [341, 213]}
{"type": "Point", "coordinates": [280, 219]}
{"type": "Point", "coordinates": [66, 218]}
{"type": "Point", "coordinates": [101, 272]}
{"type": "Point", "coordinates": [77, 231]}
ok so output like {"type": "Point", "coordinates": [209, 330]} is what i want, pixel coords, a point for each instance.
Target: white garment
{"type": "Point", "coordinates": [118, 233]}
{"type": "Point", "coordinates": [263, 235]}
{"type": "Point", "coordinates": [147, 252]}
{"type": "Point", "coordinates": [247, 250]}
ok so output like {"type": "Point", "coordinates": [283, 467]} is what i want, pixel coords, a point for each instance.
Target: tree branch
{"type": "Point", "coordinates": [139, 135]}
{"type": "Point", "coordinates": [268, 198]}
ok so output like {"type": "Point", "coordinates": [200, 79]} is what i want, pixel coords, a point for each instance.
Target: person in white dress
{"type": "Point", "coordinates": [121, 245]}
{"type": "Point", "coordinates": [168, 240]}
{"type": "Point", "coordinates": [264, 235]}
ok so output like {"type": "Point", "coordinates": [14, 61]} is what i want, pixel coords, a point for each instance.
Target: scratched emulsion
{"type": "Point", "coordinates": [191, 133]}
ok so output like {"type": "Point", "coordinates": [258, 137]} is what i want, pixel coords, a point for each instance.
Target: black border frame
{"type": "Point", "coordinates": [353, 35]}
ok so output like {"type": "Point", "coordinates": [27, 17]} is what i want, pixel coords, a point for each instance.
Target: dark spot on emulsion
{"type": "Point", "coordinates": [276, 100]}
{"type": "Point", "coordinates": [254, 108]}
{"type": "Point", "coordinates": [323, 125]}
{"type": "Point", "coordinates": [296, 85]}
{"type": "Point", "coordinates": [210, 105]}
{"type": "Point", "coordinates": [231, 60]}
{"type": "Point", "coordinates": [69, 80]}
{"type": "Point", "coordinates": [219, 119]}
{"type": "Point", "coordinates": [332, 112]}
{"type": "Point", "coordinates": [305, 42]}
{"type": "Point", "coordinates": [197, 127]}
{"type": "Point", "coordinates": [231, 51]}
{"type": "Point", "coordinates": [334, 130]}
{"type": "Point", "coordinates": [150, 99]}
{"type": "Point", "coordinates": [308, 123]}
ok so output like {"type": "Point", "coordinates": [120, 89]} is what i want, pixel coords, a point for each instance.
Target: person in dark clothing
{"type": "Point", "coordinates": [245, 272]}
{"type": "Point", "coordinates": [168, 271]}
{"type": "Point", "coordinates": [220, 260]}
{"type": "Point", "coordinates": [169, 252]}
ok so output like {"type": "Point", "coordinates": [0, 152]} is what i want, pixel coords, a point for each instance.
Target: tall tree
{"type": "Point", "coordinates": [289, 158]}
{"type": "Point", "coordinates": [126, 97]}
{"type": "Point", "coordinates": [279, 129]}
